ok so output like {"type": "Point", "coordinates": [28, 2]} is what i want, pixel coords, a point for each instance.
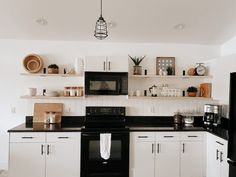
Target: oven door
{"type": "Point", "coordinates": [100, 83]}
{"type": "Point", "coordinates": [93, 165]}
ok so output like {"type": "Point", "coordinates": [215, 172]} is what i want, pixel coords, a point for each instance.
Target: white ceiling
{"type": "Point", "coordinates": [207, 21]}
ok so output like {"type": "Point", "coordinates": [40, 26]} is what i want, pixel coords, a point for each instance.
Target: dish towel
{"type": "Point", "coordinates": [105, 145]}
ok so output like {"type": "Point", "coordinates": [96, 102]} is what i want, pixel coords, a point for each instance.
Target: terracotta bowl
{"type": "Point", "coordinates": [192, 94]}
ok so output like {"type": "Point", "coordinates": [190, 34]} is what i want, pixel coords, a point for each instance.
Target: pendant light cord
{"type": "Point", "coordinates": [101, 8]}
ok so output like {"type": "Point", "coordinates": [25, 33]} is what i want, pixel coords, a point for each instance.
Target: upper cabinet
{"type": "Point", "coordinates": [106, 64]}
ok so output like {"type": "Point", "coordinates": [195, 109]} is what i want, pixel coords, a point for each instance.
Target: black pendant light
{"type": "Point", "coordinates": [101, 27]}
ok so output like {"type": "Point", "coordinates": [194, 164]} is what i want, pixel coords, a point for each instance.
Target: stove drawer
{"type": "Point", "coordinates": [143, 136]}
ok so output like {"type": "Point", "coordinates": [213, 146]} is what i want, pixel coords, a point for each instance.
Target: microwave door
{"type": "Point", "coordinates": [103, 86]}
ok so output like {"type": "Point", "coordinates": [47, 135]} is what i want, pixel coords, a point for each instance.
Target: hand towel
{"type": "Point", "coordinates": [105, 145]}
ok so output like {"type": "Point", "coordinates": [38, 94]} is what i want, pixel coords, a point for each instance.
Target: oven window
{"type": "Point", "coordinates": [94, 150]}
{"type": "Point", "coordinates": [102, 85]}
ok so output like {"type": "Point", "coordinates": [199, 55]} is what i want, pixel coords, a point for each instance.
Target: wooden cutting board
{"type": "Point", "coordinates": [41, 108]}
{"type": "Point", "coordinates": [205, 90]}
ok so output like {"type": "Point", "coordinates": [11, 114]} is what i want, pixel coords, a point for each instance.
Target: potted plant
{"type": "Point", "coordinates": [53, 69]}
{"type": "Point", "coordinates": [169, 70]}
{"type": "Point", "coordinates": [192, 91]}
{"type": "Point", "coordinates": [137, 61]}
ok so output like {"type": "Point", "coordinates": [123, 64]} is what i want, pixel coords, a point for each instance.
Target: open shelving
{"type": "Point", "coordinates": [172, 76]}
{"type": "Point", "coordinates": [51, 75]}
{"type": "Point", "coordinates": [48, 97]}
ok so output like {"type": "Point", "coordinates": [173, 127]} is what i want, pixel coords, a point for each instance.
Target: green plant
{"type": "Point", "coordinates": [137, 60]}
{"type": "Point", "coordinates": [169, 70]}
{"type": "Point", "coordinates": [54, 66]}
{"type": "Point", "coordinates": [192, 89]}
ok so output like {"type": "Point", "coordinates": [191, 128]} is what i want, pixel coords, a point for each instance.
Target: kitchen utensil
{"type": "Point", "coordinates": [178, 118]}
{"type": "Point", "coordinates": [153, 90]}
{"type": "Point", "coordinates": [33, 63]}
{"type": "Point", "coordinates": [41, 108]}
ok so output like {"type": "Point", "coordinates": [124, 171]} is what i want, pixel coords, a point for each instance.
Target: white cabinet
{"type": "Point", "coordinates": [192, 152]}
{"type": "Point", "coordinates": [106, 64]}
{"type": "Point", "coordinates": [44, 154]}
{"type": "Point", "coordinates": [166, 154]}
{"type": "Point", "coordinates": [217, 165]}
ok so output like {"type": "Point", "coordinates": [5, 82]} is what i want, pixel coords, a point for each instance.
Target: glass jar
{"type": "Point", "coordinates": [67, 91]}
{"type": "Point", "coordinates": [72, 91]}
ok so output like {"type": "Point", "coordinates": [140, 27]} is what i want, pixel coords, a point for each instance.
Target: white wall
{"type": "Point", "coordinates": [221, 69]}
{"type": "Point", "coordinates": [13, 85]}
{"type": "Point", "coordinates": [229, 47]}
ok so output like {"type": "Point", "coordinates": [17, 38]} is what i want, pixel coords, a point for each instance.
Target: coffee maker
{"type": "Point", "coordinates": [212, 115]}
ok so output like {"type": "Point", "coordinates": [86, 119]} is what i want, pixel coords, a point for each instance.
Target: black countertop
{"type": "Point", "coordinates": [132, 123]}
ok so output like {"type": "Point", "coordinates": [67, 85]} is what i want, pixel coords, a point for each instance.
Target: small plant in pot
{"type": "Point", "coordinates": [169, 70]}
{"type": "Point", "coordinates": [53, 69]}
{"type": "Point", "coordinates": [137, 61]}
{"type": "Point", "coordinates": [192, 91]}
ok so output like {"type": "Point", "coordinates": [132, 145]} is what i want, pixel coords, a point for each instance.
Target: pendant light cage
{"type": "Point", "coordinates": [101, 27]}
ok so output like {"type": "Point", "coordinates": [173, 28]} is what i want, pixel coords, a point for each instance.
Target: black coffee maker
{"type": "Point", "coordinates": [212, 115]}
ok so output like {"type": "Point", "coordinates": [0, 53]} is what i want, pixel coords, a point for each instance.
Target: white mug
{"type": "Point", "coordinates": [32, 91]}
{"type": "Point", "coordinates": [138, 93]}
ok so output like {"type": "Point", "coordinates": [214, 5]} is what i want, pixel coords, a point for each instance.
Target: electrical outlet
{"type": "Point", "coordinates": [13, 110]}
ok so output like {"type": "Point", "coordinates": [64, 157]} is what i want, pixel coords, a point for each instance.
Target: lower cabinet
{"type": "Point", "coordinates": [217, 165]}
{"type": "Point", "coordinates": [44, 155]}
{"type": "Point", "coordinates": [166, 154]}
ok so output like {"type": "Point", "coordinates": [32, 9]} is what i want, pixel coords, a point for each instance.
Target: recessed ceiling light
{"type": "Point", "coordinates": [180, 26]}
{"type": "Point", "coordinates": [41, 21]}
{"type": "Point", "coordinates": [111, 24]}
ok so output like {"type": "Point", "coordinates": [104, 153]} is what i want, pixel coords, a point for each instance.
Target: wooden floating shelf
{"type": "Point", "coordinates": [171, 98]}
{"type": "Point", "coordinates": [48, 97]}
{"type": "Point", "coordinates": [174, 77]}
{"type": "Point", "coordinates": [51, 75]}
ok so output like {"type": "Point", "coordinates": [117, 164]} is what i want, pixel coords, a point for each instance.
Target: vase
{"type": "Point", "coordinates": [79, 66]}
{"type": "Point", "coordinates": [192, 94]}
{"type": "Point", "coordinates": [137, 70]}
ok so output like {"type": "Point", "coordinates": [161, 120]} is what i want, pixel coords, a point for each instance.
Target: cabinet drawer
{"type": "Point", "coordinates": [192, 136]}
{"type": "Point", "coordinates": [27, 137]}
{"type": "Point", "coordinates": [143, 136]}
{"type": "Point", "coordinates": [62, 137]}
{"type": "Point", "coordinates": [167, 136]}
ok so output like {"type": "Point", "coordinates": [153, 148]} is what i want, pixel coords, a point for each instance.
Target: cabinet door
{"type": "Point", "coordinates": [117, 64]}
{"type": "Point", "coordinates": [26, 160]}
{"type": "Point", "coordinates": [213, 155]}
{"type": "Point", "coordinates": [95, 63]}
{"type": "Point", "coordinates": [223, 159]}
{"type": "Point", "coordinates": [63, 155]}
{"type": "Point", "coordinates": [191, 159]}
{"type": "Point", "coordinates": [142, 154]}
{"type": "Point", "coordinates": [167, 159]}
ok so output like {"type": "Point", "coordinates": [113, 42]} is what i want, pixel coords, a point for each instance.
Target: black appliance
{"type": "Point", "coordinates": [105, 120]}
{"type": "Point", "coordinates": [106, 83]}
{"type": "Point", "coordinates": [232, 127]}
{"type": "Point", "coordinates": [212, 115]}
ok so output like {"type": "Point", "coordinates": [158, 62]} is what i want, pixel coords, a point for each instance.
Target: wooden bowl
{"type": "Point", "coordinates": [33, 63]}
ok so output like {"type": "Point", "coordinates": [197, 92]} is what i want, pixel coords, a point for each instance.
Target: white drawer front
{"type": "Point", "coordinates": [27, 137]}
{"type": "Point", "coordinates": [167, 136]}
{"type": "Point", "coordinates": [143, 136]}
{"type": "Point", "coordinates": [192, 136]}
{"type": "Point", "coordinates": [62, 137]}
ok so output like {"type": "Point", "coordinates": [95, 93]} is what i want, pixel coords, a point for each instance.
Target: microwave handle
{"type": "Point", "coordinates": [104, 66]}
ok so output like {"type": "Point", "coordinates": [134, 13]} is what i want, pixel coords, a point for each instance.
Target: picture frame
{"type": "Point", "coordinates": [163, 62]}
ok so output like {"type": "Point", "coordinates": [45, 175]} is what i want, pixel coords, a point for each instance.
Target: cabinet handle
{"type": "Point", "coordinates": [142, 136]}
{"type": "Point", "coordinates": [183, 148]}
{"type": "Point", "coordinates": [48, 149]}
{"type": "Point", "coordinates": [158, 148]}
{"type": "Point", "coordinates": [104, 66]}
{"type": "Point", "coordinates": [217, 154]}
{"type": "Point", "coordinates": [220, 143]}
{"type": "Point", "coordinates": [27, 137]}
{"type": "Point", "coordinates": [221, 156]}
{"type": "Point", "coordinates": [42, 149]}
{"type": "Point", "coordinates": [192, 136]}
{"type": "Point", "coordinates": [109, 65]}
{"type": "Point", "coordinates": [168, 136]}
{"type": "Point", "coordinates": [63, 137]}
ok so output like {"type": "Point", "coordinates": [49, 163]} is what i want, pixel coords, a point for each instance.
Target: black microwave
{"type": "Point", "coordinates": [106, 83]}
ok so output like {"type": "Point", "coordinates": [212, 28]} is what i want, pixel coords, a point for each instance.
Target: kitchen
{"type": "Point", "coordinates": [218, 57]}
